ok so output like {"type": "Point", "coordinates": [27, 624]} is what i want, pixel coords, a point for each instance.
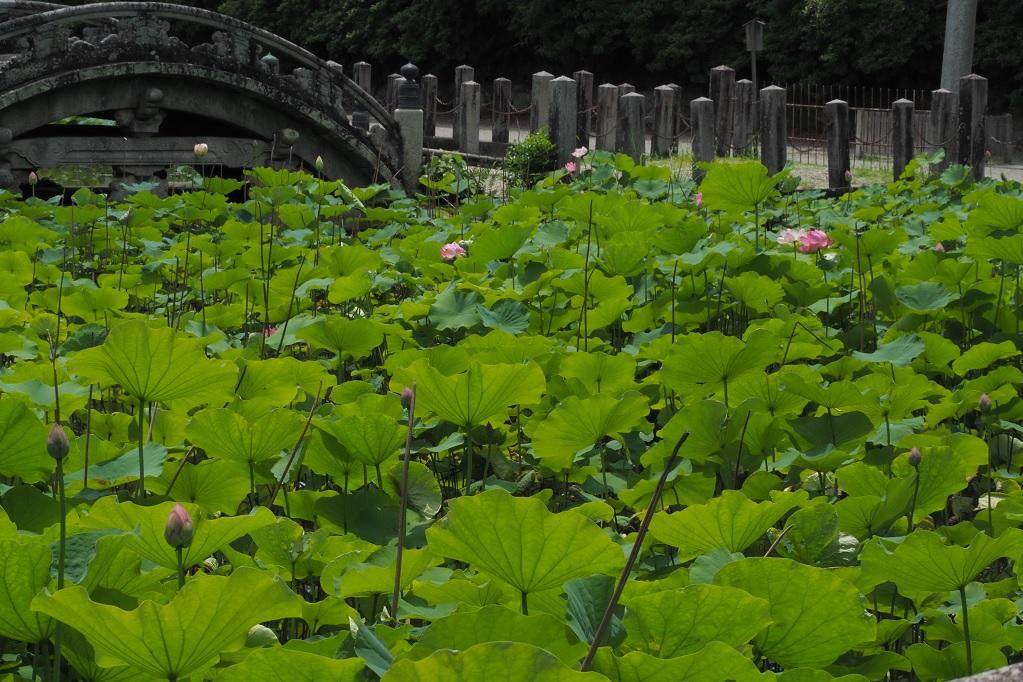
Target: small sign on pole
{"type": "Point", "coordinates": [754, 43]}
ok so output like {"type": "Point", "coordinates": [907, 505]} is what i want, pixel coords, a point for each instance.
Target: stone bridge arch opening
{"type": "Point", "coordinates": [165, 77]}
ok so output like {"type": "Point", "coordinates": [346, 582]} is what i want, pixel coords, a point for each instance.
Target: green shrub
{"type": "Point", "coordinates": [529, 160]}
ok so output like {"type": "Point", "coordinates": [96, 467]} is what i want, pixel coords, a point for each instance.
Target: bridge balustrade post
{"type": "Point", "coordinates": [468, 117]}
{"type": "Point", "coordinates": [362, 74]}
{"type": "Point", "coordinates": [428, 102]}
{"type": "Point", "coordinates": [502, 105]}
{"type": "Point", "coordinates": [391, 93]}
{"type": "Point", "coordinates": [409, 115]}
{"type": "Point", "coordinates": [463, 74]}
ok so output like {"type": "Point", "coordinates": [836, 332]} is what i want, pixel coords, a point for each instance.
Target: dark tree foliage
{"type": "Point", "coordinates": [891, 43]}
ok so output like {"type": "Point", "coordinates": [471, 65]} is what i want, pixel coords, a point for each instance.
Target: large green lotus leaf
{"type": "Point", "coordinates": [277, 664]}
{"type": "Point", "coordinates": [506, 315]}
{"type": "Point", "coordinates": [370, 438]}
{"type": "Point", "coordinates": [225, 434]}
{"type": "Point", "coordinates": [737, 187]}
{"type": "Point", "coordinates": [949, 663]}
{"type": "Point", "coordinates": [155, 365]}
{"type": "Point", "coordinates": [490, 661]}
{"type": "Point", "coordinates": [424, 493]}
{"type": "Point", "coordinates": [208, 616]}
{"type": "Point", "coordinates": [947, 464]}
{"type": "Point", "coordinates": [344, 337]}
{"type": "Point", "coordinates": [600, 372]}
{"type": "Point", "coordinates": [756, 292]}
{"type": "Point", "coordinates": [23, 443]}
{"type": "Point", "coordinates": [817, 615]}
{"type": "Point", "coordinates": [146, 525]}
{"type": "Point", "coordinates": [82, 657]}
{"type": "Point", "coordinates": [716, 662]}
{"type": "Point", "coordinates": [123, 468]}
{"type": "Point", "coordinates": [519, 541]}
{"type": "Point", "coordinates": [899, 352]}
{"type": "Point", "coordinates": [587, 600]}
{"type": "Point", "coordinates": [923, 563]}
{"type": "Point", "coordinates": [983, 355]}
{"type": "Point", "coordinates": [812, 531]}
{"type": "Point", "coordinates": [995, 211]}
{"type": "Point", "coordinates": [89, 303]}
{"type": "Point", "coordinates": [456, 309]}
{"type": "Point", "coordinates": [731, 521]}
{"type": "Point", "coordinates": [925, 297]}
{"type": "Point", "coordinates": [708, 427]}
{"type": "Point", "coordinates": [1006, 249]}
{"type": "Point", "coordinates": [491, 245]}
{"type": "Point", "coordinates": [713, 360]}
{"type": "Point", "coordinates": [24, 571]}
{"type": "Point", "coordinates": [477, 395]}
{"type": "Point", "coordinates": [460, 631]}
{"type": "Point", "coordinates": [280, 381]}
{"type": "Point", "coordinates": [377, 575]}
{"type": "Point", "coordinates": [679, 622]}
{"type": "Point", "coordinates": [214, 485]}
{"type": "Point", "coordinates": [814, 675]}
{"type": "Point", "coordinates": [579, 424]}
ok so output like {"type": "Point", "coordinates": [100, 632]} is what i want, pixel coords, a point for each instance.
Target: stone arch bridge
{"type": "Point", "coordinates": [170, 77]}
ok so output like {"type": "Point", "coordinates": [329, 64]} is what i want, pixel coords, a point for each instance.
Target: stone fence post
{"type": "Point", "coordinates": [722, 91]}
{"type": "Point", "coordinates": [584, 105]}
{"type": "Point", "coordinates": [773, 134]}
{"type": "Point", "coordinates": [409, 116]}
{"type": "Point", "coordinates": [836, 125]}
{"type": "Point", "coordinates": [391, 91]}
{"type": "Point", "coordinates": [607, 116]}
{"type": "Point", "coordinates": [902, 135]}
{"type": "Point", "coordinates": [467, 118]}
{"type": "Point", "coordinates": [701, 116]}
{"type": "Point", "coordinates": [428, 98]}
{"type": "Point", "coordinates": [563, 117]}
{"type": "Point", "coordinates": [744, 119]}
{"type": "Point", "coordinates": [631, 108]}
{"type": "Point", "coordinates": [942, 125]}
{"type": "Point", "coordinates": [540, 100]}
{"type": "Point", "coordinates": [664, 121]}
{"type": "Point", "coordinates": [362, 74]}
{"type": "Point", "coordinates": [463, 74]}
{"type": "Point", "coordinates": [972, 114]}
{"type": "Point", "coordinates": [502, 105]}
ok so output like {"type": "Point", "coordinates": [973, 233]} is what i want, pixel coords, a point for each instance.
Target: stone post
{"type": "Point", "coordinates": [679, 114]}
{"type": "Point", "coordinates": [902, 135]}
{"type": "Point", "coordinates": [391, 92]}
{"type": "Point", "coordinates": [836, 126]}
{"type": "Point", "coordinates": [744, 125]}
{"type": "Point", "coordinates": [701, 117]}
{"type": "Point", "coordinates": [942, 125]}
{"type": "Point", "coordinates": [468, 118]}
{"type": "Point", "coordinates": [722, 91]}
{"type": "Point", "coordinates": [664, 121]}
{"type": "Point", "coordinates": [773, 134]}
{"type": "Point", "coordinates": [502, 105]}
{"type": "Point", "coordinates": [463, 74]}
{"type": "Point", "coordinates": [428, 90]}
{"type": "Point", "coordinates": [631, 107]}
{"type": "Point", "coordinates": [960, 28]}
{"type": "Point", "coordinates": [623, 89]}
{"type": "Point", "coordinates": [972, 112]}
{"type": "Point", "coordinates": [409, 116]}
{"type": "Point", "coordinates": [607, 117]}
{"type": "Point", "coordinates": [540, 100]}
{"type": "Point", "coordinates": [362, 74]}
{"type": "Point", "coordinates": [563, 117]}
{"type": "Point", "coordinates": [584, 105]}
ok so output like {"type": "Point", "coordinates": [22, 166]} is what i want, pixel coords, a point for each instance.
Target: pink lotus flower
{"type": "Point", "coordinates": [179, 529]}
{"type": "Point", "coordinates": [269, 331]}
{"type": "Point", "coordinates": [939, 247]}
{"type": "Point", "coordinates": [450, 252]}
{"type": "Point", "coordinates": [813, 241]}
{"type": "Point", "coordinates": [699, 198]}
{"type": "Point", "coordinates": [571, 166]}
{"type": "Point", "coordinates": [790, 236]}
{"type": "Point", "coordinates": [580, 152]}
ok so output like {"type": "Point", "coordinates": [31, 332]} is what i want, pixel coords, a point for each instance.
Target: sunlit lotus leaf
{"type": "Point", "coordinates": [491, 661]}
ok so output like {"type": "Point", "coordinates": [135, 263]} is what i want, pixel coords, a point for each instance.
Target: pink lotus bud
{"type": "Point", "coordinates": [33, 179]}
{"type": "Point", "coordinates": [915, 457]}
{"type": "Point", "coordinates": [848, 176]}
{"type": "Point", "coordinates": [939, 247]}
{"type": "Point", "coordinates": [699, 198]}
{"type": "Point", "coordinates": [450, 252]}
{"type": "Point", "coordinates": [984, 402]}
{"type": "Point", "coordinates": [179, 529]}
{"type": "Point", "coordinates": [201, 149]}
{"type": "Point", "coordinates": [57, 443]}
{"type": "Point", "coordinates": [407, 395]}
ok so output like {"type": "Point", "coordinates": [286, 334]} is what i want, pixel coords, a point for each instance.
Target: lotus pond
{"type": "Point", "coordinates": [617, 426]}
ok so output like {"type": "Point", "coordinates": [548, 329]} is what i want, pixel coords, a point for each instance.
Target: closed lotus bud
{"type": "Point", "coordinates": [260, 636]}
{"type": "Point", "coordinates": [179, 529]}
{"type": "Point", "coordinates": [318, 163]}
{"type": "Point", "coordinates": [201, 149]}
{"type": "Point", "coordinates": [915, 457]}
{"type": "Point", "coordinates": [33, 179]}
{"type": "Point", "coordinates": [57, 443]}
{"type": "Point", "coordinates": [984, 402]}
{"type": "Point", "coordinates": [406, 396]}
